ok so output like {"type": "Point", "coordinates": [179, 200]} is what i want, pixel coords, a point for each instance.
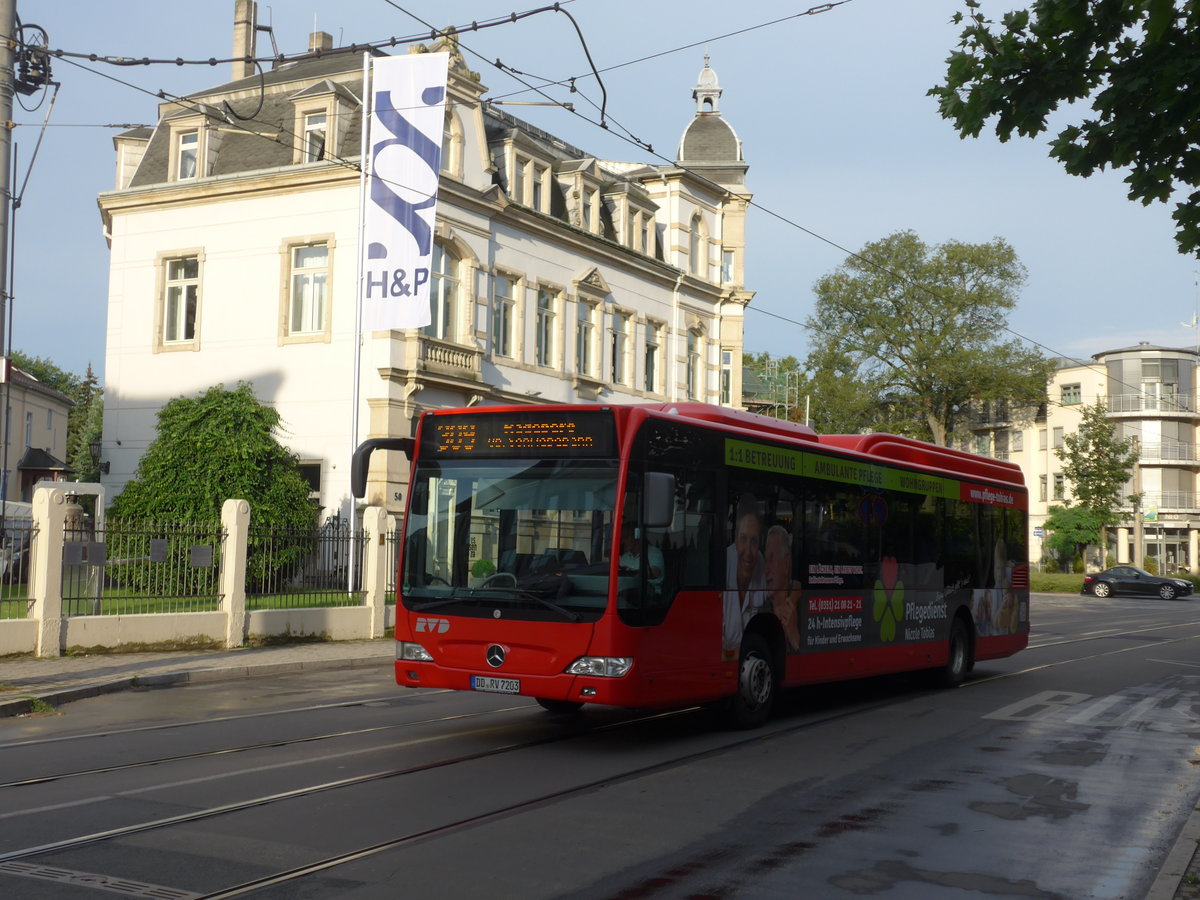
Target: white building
{"type": "Point", "coordinates": [558, 276]}
{"type": "Point", "coordinates": [1150, 393]}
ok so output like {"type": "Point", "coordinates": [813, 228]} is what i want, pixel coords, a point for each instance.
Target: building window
{"type": "Point", "coordinates": [443, 295]}
{"type": "Point", "coordinates": [544, 328]}
{"type": "Point", "coordinates": [585, 336]}
{"type": "Point", "coordinates": [309, 281]}
{"type": "Point", "coordinates": [315, 131]}
{"type": "Point", "coordinates": [645, 238]}
{"type": "Point", "coordinates": [180, 299]}
{"type": "Point", "coordinates": [1041, 438]}
{"type": "Point", "coordinates": [28, 429]}
{"type": "Point", "coordinates": [1058, 438]}
{"type": "Point", "coordinates": [1017, 441]}
{"type": "Point", "coordinates": [1060, 486]}
{"type": "Point", "coordinates": [452, 143]}
{"type": "Point", "coordinates": [49, 419]}
{"type": "Point", "coordinates": [726, 377]}
{"type": "Point", "coordinates": [539, 188]}
{"type": "Point", "coordinates": [1042, 488]}
{"type": "Point", "coordinates": [695, 243]}
{"type": "Point", "coordinates": [520, 164]}
{"type": "Point", "coordinates": [504, 315]}
{"type": "Point", "coordinates": [1071, 394]}
{"type": "Point", "coordinates": [311, 473]}
{"type": "Point", "coordinates": [620, 342]}
{"type": "Point", "coordinates": [187, 154]}
{"type": "Point", "coordinates": [726, 266]}
{"type": "Point", "coordinates": [651, 361]}
{"type": "Point", "coordinates": [983, 444]}
{"type": "Point", "coordinates": [695, 375]}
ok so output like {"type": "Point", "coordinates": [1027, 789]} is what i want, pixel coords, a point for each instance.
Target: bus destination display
{"type": "Point", "coordinates": [523, 435]}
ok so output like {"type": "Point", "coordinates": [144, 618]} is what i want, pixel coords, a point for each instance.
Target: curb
{"type": "Point", "coordinates": [1175, 866]}
{"type": "Point", "coordinates": [58, 696]}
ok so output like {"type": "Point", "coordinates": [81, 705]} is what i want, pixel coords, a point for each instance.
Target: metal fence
{"type": "Point", "coordinates": [138, 568]}
{"type": "Point", "coordinates": [16, 541]}
{"type": "Point", "coordinates": [392, 541]}
{"type": "Point", "coordinates": [305, 567]}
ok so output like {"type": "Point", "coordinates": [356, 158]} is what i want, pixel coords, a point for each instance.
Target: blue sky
{"type": "Point", "coordinates": [831, 110]}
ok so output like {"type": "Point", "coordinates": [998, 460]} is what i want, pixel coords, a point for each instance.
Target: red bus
{"type": "Point", "coordinates": [663, 555]}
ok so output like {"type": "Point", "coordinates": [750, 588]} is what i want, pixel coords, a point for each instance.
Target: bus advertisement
{"type": "Point", "coordinates": [665, 555]}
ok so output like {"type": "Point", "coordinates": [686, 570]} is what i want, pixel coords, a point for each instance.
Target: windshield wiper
{"type": "Point", "coordinates": [491, 593]}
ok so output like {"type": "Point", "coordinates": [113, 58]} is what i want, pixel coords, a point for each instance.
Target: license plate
{"type": "Point", "coordinates": [495, 685]}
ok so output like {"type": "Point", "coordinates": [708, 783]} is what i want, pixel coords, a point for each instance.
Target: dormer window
{"type": "Point", "coordinates": [321, 112]}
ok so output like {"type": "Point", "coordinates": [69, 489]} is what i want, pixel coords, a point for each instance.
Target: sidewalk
{"type": "Point", "coordinates": [26, 680]}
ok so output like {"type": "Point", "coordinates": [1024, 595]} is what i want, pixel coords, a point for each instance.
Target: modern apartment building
{"type": "Point", "coordinates": [1150, 394]}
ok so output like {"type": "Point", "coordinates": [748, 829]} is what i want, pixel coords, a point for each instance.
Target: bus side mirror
{"type": "Point", "coordinates": [360, 462]}
{"type": "Point", "coordinates": [658, 500]}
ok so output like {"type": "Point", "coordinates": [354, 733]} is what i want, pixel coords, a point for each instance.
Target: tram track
{"type": "Point", "coordinates": [260, 745]}
{"type": "Point", "coordinates": [310, 790]}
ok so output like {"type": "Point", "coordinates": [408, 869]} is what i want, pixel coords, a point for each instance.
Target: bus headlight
{"type": "Point", "coordinates": [603, 666]}
{"type": "Point", "coordinates": [412, 652]}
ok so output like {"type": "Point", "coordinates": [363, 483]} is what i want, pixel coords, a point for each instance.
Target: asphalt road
{"type": "Point", "coordinates": [1064, 772]}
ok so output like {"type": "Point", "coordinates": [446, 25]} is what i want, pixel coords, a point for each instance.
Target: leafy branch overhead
{"type": "Point", "coordinates": [1137, 62]}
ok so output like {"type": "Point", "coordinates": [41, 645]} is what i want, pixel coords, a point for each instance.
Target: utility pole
{"type": "Point", "coordinates": [1138, 529]}
{"type": "Point", "coordinates": [8, 75]}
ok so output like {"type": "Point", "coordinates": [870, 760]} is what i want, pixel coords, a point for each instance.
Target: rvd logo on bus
{"type": "Point", "coordinates": [432, 626]}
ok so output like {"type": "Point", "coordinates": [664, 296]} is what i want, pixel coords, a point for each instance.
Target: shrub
{"type": "Point", "coordinates": [1150, 564]}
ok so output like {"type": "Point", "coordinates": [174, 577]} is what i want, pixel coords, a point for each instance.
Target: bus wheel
{"type": "Point", "coordinates": [751, 705]}
{"type": "Point", "coordinates": [959, 662]}
{"type": "Point", "coordinates": [559, 707]}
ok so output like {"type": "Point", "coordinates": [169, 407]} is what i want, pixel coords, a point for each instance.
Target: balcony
{"type": "Point", "coordinates": [440, 357]}
{"type": "Point", "coordinates": [1174, 453]}
{"type": "Point", "coordinates": [1145, 406]}
{"type": "Point", "coordinates": [1169, 501]}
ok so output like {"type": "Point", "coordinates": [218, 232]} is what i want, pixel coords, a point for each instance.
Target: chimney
{"type": "Point", "coordinates": [245, 32]}
{"type": "Point", "coordinates": [319, 40]}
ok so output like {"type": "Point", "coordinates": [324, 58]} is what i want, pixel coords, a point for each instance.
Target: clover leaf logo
{"type": "Point", "coordinates": [889, 599]}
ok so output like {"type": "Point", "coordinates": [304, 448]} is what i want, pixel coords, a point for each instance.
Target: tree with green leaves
{"type": "Point", "coordinates": [220, 446]}
{"type": "Point", "coordinates": [1136, 62]}
{"type": "Point", "coordinates": [1069, 529]}
{"type": "Point", "coordinates": [212, 448]}
{"type": "Point", "coordinates": [1098, 466]}
{"type": "Point", "coordinates": [910, 336]}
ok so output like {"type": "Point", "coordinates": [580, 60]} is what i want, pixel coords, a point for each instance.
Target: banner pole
{"type": "Point", "coordinates": [356, 380]}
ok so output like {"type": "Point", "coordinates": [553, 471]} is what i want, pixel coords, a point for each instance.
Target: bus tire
{"type": "Point", "coordinates": [750, 706]}
{"type": "Point", "coordinates": [559, 707]}
{"type": "Point", "coordinates": [959, 662]}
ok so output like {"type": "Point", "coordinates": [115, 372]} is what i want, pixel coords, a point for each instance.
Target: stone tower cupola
{"type": "Point", "coordinates": [709, 144]}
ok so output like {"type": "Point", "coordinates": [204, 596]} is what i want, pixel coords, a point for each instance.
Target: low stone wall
{"type": "Point", "coordinates": [46, 631]}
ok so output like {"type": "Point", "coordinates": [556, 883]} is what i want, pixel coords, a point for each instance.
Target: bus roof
{"type": "Point", "coordinates": [880, 446]}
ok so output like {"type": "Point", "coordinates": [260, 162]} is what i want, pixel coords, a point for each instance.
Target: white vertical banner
{"type": "Point", "coordinates": [408, 95]}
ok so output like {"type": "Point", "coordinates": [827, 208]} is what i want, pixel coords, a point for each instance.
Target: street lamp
{"type": "Point", "coordinates": [94, 449]}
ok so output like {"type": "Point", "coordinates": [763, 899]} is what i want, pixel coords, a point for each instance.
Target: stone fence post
{"type": "Point", "coordinates": [46, 558]}
{"type": "Point", "coordinates": [235, 519]}
{"type": "Point", "coordinates": [375, 567]}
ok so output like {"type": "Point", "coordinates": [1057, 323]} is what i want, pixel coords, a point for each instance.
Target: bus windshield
{"type": "Point", "coordinates": [521, 538]}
